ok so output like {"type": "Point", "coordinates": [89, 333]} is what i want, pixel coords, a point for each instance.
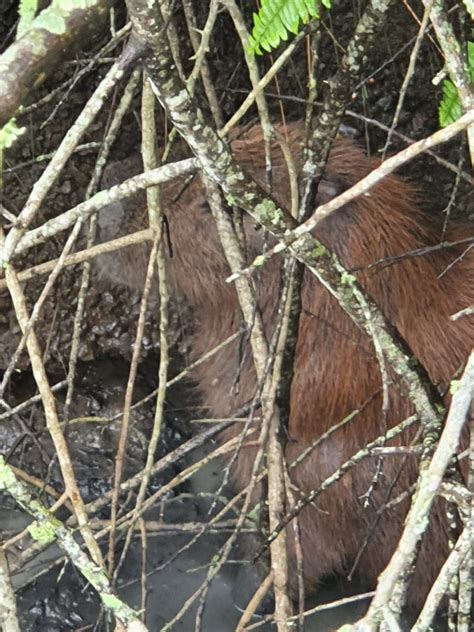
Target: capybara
{"type": "Point", "coordinates": [335, 370]}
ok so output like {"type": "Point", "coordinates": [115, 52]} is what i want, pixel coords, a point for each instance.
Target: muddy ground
{"type": "Point", "coordinates": [58, 599]}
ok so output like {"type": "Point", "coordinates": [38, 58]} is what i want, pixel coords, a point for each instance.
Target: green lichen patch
{"type": "Point", "coordinates": [44, 532]}
{"type": "Point", "coordinates": [348, 279]}
{"type": "Point", "coordinates": [7, 478]}
{"type": "Point", "coordinates": [454, 386]}
{"type": "Point", "coordinates": [254, 514]}
{"type": "Point", "coordinates": [54, 18]}
{"type": "Point", "coordinates": [318, 251]}
{"type": "Point", "coordinates": [112, 602]}
{"type": "Point", "coordinates": [51, 21]}
{"type": "Point", "coordinates": [268, 212]}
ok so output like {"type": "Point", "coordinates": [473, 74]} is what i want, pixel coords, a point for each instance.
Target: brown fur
{"type": "Point", "coordinates": [335, 368]}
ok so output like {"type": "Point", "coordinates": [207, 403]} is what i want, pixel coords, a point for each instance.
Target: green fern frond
{"type": "Point", "coordinates": [277, 18]}
{"type": "Point", "coordinates": [450, 107]}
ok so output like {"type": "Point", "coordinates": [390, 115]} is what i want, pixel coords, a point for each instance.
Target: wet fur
{"type": "Point", "coordinates": [335, 368]}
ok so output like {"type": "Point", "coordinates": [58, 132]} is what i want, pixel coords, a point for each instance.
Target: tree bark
{"type": "Point", "coordinates": [32, 58]}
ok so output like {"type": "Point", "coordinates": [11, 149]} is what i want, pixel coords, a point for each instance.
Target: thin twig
{"type": "Point", "coordinates": [49, 405]}
{"type": "Point", "coordinates": [428, 484]}
{"type": "Point", "coordinates": [8, 611]}
{"type": "Point", "coordinates": [64, 151]}
{"type": "Point", "coordinates": [47, 527]}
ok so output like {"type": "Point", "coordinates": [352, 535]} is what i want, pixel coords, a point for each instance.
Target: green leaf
{"type": "Point", "coordinates": [9, 134]}
{"type": "Point", "coordinates": [450, 108]}
{"type": "Point", "coordinates": [277, 18]}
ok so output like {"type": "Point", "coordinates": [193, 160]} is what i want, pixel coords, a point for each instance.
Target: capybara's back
{"type": "Point", "coordinates": [336, 373]}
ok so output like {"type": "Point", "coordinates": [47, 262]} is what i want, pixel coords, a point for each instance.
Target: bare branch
{"type": "Point", "coordinates": [33, 57]}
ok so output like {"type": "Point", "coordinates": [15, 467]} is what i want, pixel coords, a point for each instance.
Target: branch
{"type": "Point", "coordinates": [33, 57]}
{"type": "Point", "coordinates": [338, 97]}
{"type": "Point", "coordinates": [270, 426]}
{"type": "Point", "coordinates": [219, 165]}
{"type": "Point", "coordinates": [50, 411]}
{"type": "Point", "coordinates": [48, 528]}
{"type": "Point", "coordinates": [82, 255]}
{"type": "Point", "coordinates": [66, 148]}
{"type": "Point", "coordinates": [429, 483]}
{"type": "Point", "coordinates": [126, 189]}
{"type": "Point", "coordinates": [290, 238]}
{"type": "Point", "coordinates": [441, 586]}
{"type": "Point", "coordinates": [8, 610]}
{"type": "Point", "coordinates": [336, 476]}
{"type": "Point", "coordinates": [453, 57]}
